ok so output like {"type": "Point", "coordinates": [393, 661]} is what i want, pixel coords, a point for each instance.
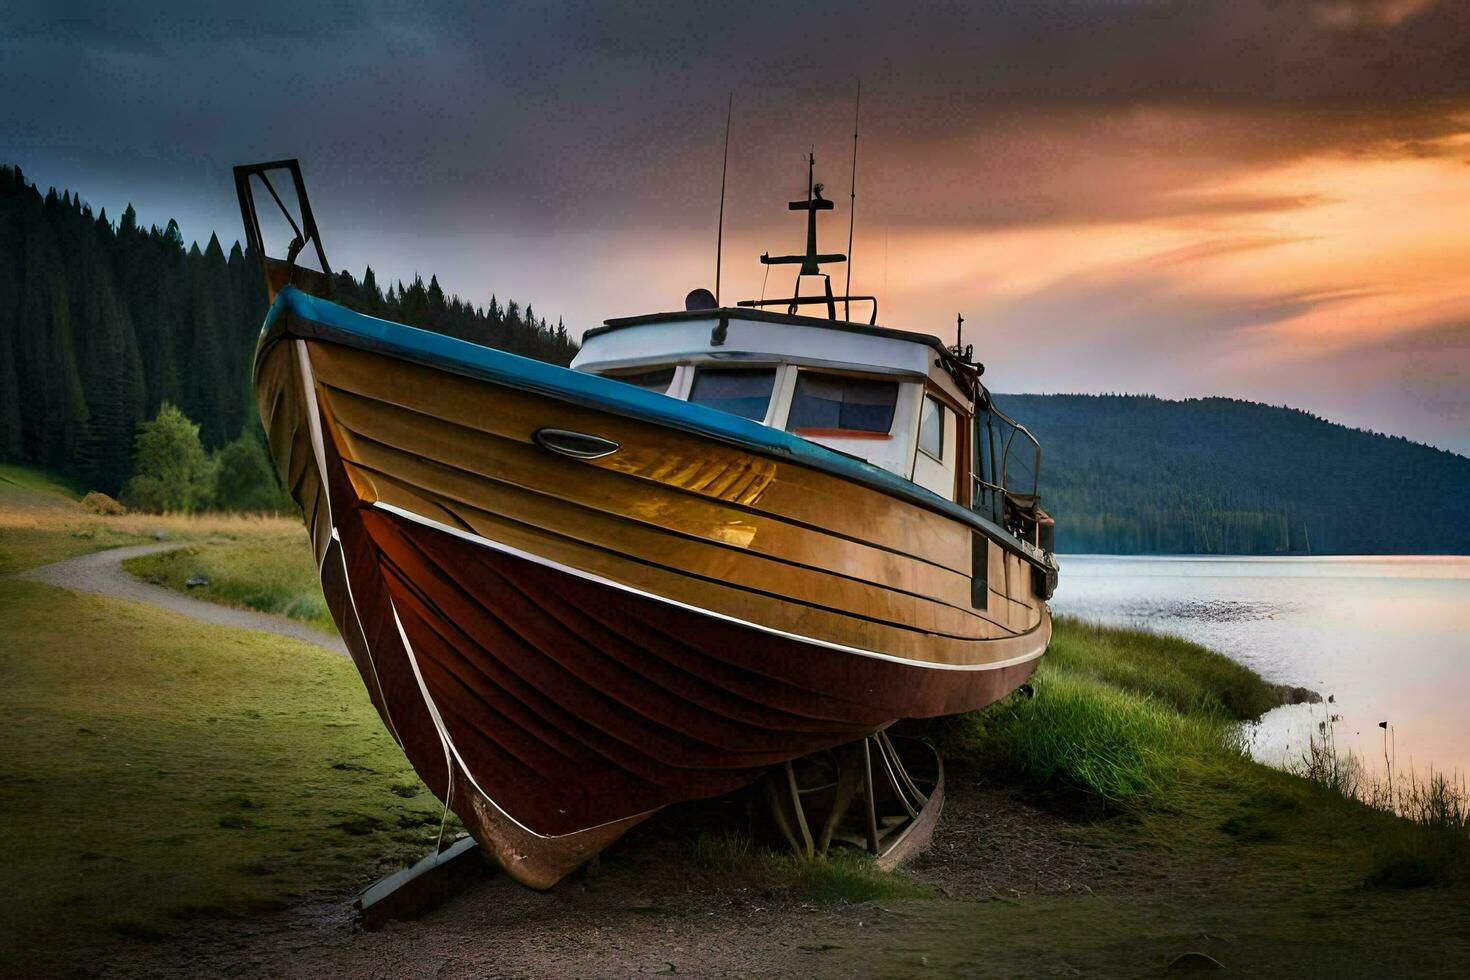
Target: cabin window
{"type": "Point", "coordinates": [740, 391]}
{"type": "Point", "coordinates": [832, 405]}
{"type": "Point", "coordinates": [657, 380]}
{"type": "Point", "coordinates": [931, 428]}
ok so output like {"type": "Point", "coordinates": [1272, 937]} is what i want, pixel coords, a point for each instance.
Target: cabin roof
{"type": "Point", "coordinates": [945, 366]}
{"type": "Point", "coordinates": [765, 316]}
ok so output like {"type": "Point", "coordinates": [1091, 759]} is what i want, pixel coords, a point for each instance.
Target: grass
{"type": "Point", "coordinates": [1127, 724]}
{"type": "Point", "coordinates": [1185, 676]}
{"type": "Point", "coordinates": [1417, 856]}
{"type": "Point", "coordinates": [1434, 802]}
{"type": "Point", "coordinates": [1081, 736]}
{"type": "Point", "coordinates": [42, 522]}
{"type": "Point", "coordinates": [269, 569]}
{"type": "Point", "coordinates": [19, 480]}
{"type": "Point", "coordinates": [157, 770]}
{"type": "Point", "coordinates": [1111, 716]}
{"type": "Point", "coordinates": [1430, 842]}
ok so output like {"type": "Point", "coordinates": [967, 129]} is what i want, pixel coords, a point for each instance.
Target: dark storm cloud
{"type": "Point", "coordinates": [578, 116]}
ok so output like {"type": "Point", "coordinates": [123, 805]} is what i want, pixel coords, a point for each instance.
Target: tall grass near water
{"type": "Point", "coordinates": [1075, 734]}
{"type": "Point", "coordinates": [1111, 717]}
{"type": "Point", "coordinates": [1430, 845]}
{"type": "Point", "coordinates": [1122, 721]}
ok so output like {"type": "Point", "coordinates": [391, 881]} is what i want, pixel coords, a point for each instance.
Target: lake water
{"type": "Point", "coordinates": [1387, 637]}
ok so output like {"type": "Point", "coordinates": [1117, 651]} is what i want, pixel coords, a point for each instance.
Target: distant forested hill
{"type": "Point", "coordinates": [100, 324]}
{"type": "Point", "coordinates": [1136, 474]}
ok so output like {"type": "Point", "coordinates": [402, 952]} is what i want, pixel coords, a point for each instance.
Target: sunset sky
{"type": "Point", "coordinates": [1268, 200]}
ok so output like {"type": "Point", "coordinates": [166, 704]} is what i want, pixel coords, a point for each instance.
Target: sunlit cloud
{"type": "Point", "coordinates": [1361, 251]}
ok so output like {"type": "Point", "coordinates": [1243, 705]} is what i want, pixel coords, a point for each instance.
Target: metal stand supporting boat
{"type": "Point", "coordinates": [897, 783]}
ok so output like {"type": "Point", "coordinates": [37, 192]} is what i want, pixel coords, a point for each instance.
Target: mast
{"type": "Point", "coordinates": [814, 202]}
{"type": "Point", "coordinates": [724, 170]}
{"type": "Point", "coordinates": [964, 353]}
{"type": "Point", "coordinates": [810, 263]}
{"type": "Point", "coordinates": [852, 205]}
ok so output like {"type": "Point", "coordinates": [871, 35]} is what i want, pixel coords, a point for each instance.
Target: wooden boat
{"type": "Point", "coordinates": [725, 539]}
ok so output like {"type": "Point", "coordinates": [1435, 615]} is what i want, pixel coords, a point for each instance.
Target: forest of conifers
{"type": "Point", "coordinates": [1135, 474]}
{"type": "Point", "coordinates": [100, 324]}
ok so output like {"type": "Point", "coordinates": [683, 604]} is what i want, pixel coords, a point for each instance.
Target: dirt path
{"type": "Point", "coordinates": [101, 573]}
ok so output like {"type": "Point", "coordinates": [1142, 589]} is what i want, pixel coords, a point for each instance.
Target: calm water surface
{"type": "Point", "coordinates": [1387, 637]}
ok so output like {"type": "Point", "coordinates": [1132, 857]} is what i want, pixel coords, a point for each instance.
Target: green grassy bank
{"type": "Point", "coordinates": [1124, 727]}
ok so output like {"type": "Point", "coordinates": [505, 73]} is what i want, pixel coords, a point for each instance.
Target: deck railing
{"type": "Point", "coordinates": [1005, 469]}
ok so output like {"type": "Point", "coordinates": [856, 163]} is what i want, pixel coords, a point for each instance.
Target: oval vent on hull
{"type": "Point", "coordinates": [578, 445]}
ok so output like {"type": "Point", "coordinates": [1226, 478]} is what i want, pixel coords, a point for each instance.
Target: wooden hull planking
{"type": "Point", "coordinates": [563, 646]}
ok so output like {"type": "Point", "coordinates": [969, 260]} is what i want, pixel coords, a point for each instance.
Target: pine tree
{"type": "Point", "coordinates": [101, 325]}
{"type": "Point", "coordinates": [111, 372]}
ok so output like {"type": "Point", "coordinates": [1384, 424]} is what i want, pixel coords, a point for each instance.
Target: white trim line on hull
{"type": "Point", "coordinates": [485, 542]}
{"type": "Point", "coordinates": [444, 740]}
{"type": "Point", "coordinates": [314, 428]}
{"type": "Point", "coordinates": [366, 645]}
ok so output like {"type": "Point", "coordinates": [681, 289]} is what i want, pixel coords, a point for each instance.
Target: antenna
{"type": "Point", "coordinates": [963, 353]}
{"type": "Point", "coordinates": [724, 169]}
{"type": "Point", "coordinates": [852, 205]}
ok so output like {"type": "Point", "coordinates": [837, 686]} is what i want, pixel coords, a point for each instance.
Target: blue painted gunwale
{"type": "Point", "coordinates": [312, 317]}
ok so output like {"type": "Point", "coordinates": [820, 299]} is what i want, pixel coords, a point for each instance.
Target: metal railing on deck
{"type": "Point", "coordinates": [1005, 468]}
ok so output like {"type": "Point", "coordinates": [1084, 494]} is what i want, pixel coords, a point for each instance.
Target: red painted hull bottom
{"type": "Point", "coordinates": [556, 712]}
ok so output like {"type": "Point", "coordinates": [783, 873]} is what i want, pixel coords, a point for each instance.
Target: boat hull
{"type": "Point", "coordinates": [564, 646]}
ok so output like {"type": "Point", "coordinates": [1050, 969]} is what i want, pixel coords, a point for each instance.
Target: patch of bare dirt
{"type": "Point", "coordinates": [992, 842]}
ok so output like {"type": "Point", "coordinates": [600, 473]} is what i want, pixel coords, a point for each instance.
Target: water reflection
{"type": "Point", "coordinates": [1145, 611]}
{"type": "Point", "coordinates": [1386, 637]}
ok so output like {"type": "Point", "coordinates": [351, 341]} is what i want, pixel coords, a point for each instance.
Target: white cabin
{"type": "Point", "coordinates": [885, 396]}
